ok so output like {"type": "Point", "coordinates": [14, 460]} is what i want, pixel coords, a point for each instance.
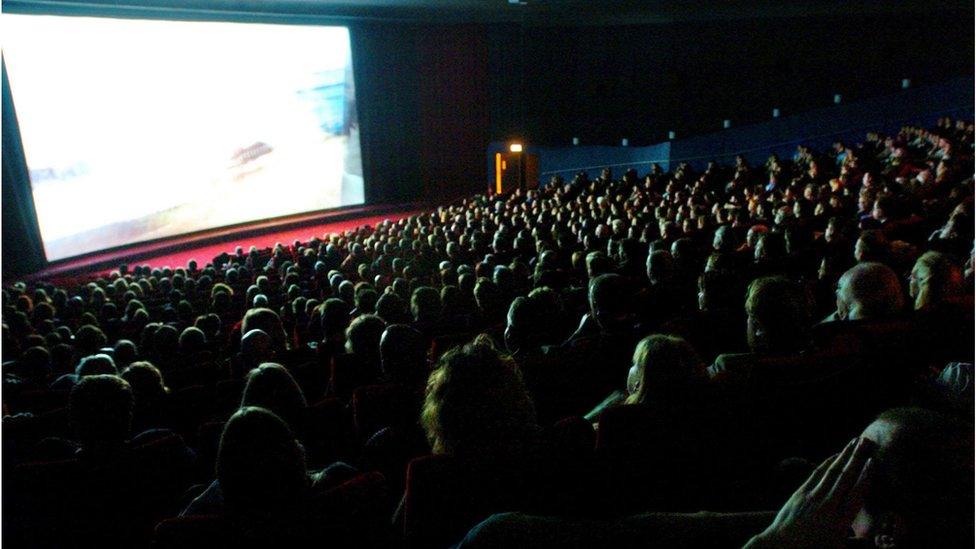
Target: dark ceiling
{"type": "Point", "coordinates": [531, 12]}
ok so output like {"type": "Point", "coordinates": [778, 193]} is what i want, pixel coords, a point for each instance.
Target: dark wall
{"type": "Point", "coordinates": [424, 109]}
{"type": "Point", "coordinates": [602, 84]}
{"type": "Point", "coordinates": [454, 110]}
{"type": "Point", "coordinates": [387, 70]}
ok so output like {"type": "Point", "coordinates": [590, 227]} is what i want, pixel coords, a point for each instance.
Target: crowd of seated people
{"type": "Point", "coordinates": [599, 360]}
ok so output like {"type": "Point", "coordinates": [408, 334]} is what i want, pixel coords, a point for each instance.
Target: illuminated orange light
{"type": "Point", "coordinates": [498, 173]}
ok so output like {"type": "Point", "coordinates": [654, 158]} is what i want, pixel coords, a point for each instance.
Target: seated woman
{"type": "Point", "coordinates": [666, 373]}
{"type": "Point", "coordinates": [943, 310]}
{"type": "Point", "coordinates": [261, 470]}
{"type": "Point", "coordinates": [477, 405]}
{"type": "Point", "coordinates": [935, 283]}
{"type": "Point", "coordinates": [270, 386]}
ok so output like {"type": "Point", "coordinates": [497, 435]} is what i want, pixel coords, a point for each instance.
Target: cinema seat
{"type": "Point", "coordinates": [326, 431]}
{"type": "Point", "coordinates": [377, 406]}
{"type": "Point", "coordinates": [652, 460]}
{"type": "Point", "coordinates": [344, 516]}
{"type": "Point", "coordinates": [110, 502]}
{"type": "Point", "coordinates": [444, 343]}
{"type": "Point", "coordinates": [445, 496]}
{"type": "Point", "coordinates": [793, 393]}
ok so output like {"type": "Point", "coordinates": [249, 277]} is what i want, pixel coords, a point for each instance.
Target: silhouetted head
{"type": "Point", "coordinates": [935, 280]}
{"type": "Point", "coordinates": [125, 353]}
{"type": "Point", "coordinates": [146, 381]}
{"type": "Point", "coordinates": [524, 327]}
{"type": "Point", "coordinates": [363, 338]}
{"type": "Point", "coordinates": [403, 354]}
{"type": "Point", "coordinates": [100, 364]}
{"type": "Point", "coordinates": [260, 465]}
{"type": "Point", "coordinates": [425, 304]}
{"type": "Point", "coordinates": [192, 340]}
{"type": "Point", "coordinates": [610, 299]}
{"type": "Point", "coordinates": [268, 322]}
{"type": "Point", "coordinates": [256, 347]}
{"type": "Point", "coordinates": [100, 408]}
{"type": "Point", "coordinates": [270, 386]}
{"type": "Point", "coordinates": [778, 315]}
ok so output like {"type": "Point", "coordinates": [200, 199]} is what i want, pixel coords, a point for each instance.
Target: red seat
{"type": "Point", "coordinates": [444, 343]}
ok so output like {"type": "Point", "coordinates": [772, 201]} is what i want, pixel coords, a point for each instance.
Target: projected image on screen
{"type": "Point", "coordinates": [135, 130]}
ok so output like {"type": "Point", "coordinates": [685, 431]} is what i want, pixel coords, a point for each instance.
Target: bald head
{"type": "Point", "coordinates": [869, 290]}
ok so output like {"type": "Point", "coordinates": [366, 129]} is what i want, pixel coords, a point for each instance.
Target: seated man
{"type": "Point", "coordinates": [905, 482]}
{"type": "Point", "coordinates": [777, 323]}
{"type": "Point", "coordinates": [525, 335]}
{"type": "Point", "coordinates": [598, 354]}
{"type": "Point", "coordinates": [868, 290]}
{"type": "Point", "coordinates": [101, 408]}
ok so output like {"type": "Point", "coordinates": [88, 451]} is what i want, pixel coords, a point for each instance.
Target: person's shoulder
{"type": "Point", "coordinates": [730, 365]}
{"type": "Point", "coordinates": [210, 502]}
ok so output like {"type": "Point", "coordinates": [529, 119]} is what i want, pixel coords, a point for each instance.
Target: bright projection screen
{"type": "Point", "coordinates": [135, 130]}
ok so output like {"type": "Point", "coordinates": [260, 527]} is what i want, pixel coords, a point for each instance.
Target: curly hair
{"type": "Point", "coordinates": [476, 402]}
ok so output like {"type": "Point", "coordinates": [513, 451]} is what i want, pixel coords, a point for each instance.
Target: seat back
{"type": "Point", "coordinates": [377, 406]}
{"type": "Point", "coordinates": [345, 516]}
{"type": "Point", "coordinates": [652, 459]}
{"type": "Point", "coordinates": [326, 431]}
{"type": "Point", "coordinates": [444, 343]}
{"type": "Point", "coordinates": [114, 501]}
{"type": "Point", "coordinates": [807, 404]}
{"type": "Point", "coordinates": [447, 496]}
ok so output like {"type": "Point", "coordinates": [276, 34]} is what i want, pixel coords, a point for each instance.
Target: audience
{"type": "Point", "coordinates": [534, 306]}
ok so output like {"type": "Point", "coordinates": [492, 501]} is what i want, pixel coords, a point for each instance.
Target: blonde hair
{"type": "Point", "coordinates": [667, 365]}
{"type": "Point", "coordinates": [937, 278]}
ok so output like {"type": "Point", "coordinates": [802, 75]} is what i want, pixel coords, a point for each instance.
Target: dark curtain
{"type": "Point", "coordinates": [23, 251]}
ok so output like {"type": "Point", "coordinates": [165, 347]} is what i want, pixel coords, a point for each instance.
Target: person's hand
{"type": "Point", "coordinates": [820, 512]}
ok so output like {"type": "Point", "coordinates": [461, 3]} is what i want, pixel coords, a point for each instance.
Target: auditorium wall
{"type": "Point", "coordinates": [602, 84]}
{"type": "Point", "coordinates": [819, 128]}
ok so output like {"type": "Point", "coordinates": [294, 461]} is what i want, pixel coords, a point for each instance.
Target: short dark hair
{"type": "Point", "coordinates": [403, 354]}
{"type": "Point", "coordinates": [779, 312]}
{"type": "Point", "coordinates": [100, 408]}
